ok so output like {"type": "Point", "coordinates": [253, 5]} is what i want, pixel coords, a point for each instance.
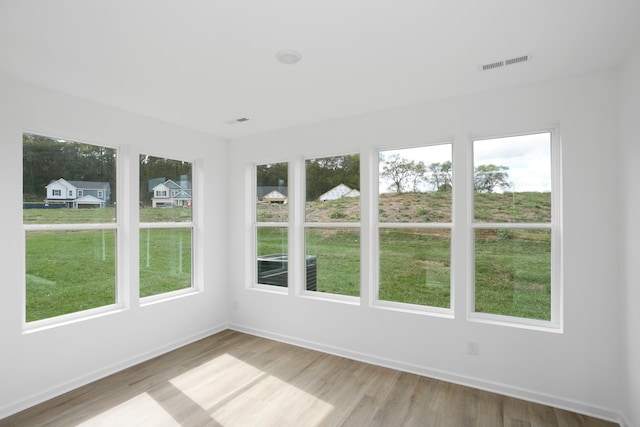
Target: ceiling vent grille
{"type": "Point", "coordinates": [493, 65]}
{"type": "Point", "coordinates": [505, 62]}
{"type": "Point", "coordinates": [234, 121]}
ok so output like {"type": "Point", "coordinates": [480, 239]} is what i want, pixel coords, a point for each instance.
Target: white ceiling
{"type": "Point", "coordinates": [202, 63]}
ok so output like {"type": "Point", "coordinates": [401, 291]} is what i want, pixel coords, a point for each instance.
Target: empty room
{"type": "Point", "coordinates": [253, 213]}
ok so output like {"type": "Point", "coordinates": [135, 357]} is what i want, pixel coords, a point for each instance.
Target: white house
{"type": "Point", "coordinates": [79, 194]}
{"type": "Point", "coordinates": [274, 196]}
{"type": "Point", "coordinates": [338, 192]}
{"type": "Point", "coordinates": [171, 194]}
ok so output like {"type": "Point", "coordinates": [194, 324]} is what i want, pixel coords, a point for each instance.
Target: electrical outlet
{"type": "Point", "coordinates": [473, 348]}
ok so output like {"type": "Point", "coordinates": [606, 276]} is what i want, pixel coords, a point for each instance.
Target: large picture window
{"type": "Point", "coordinates": [166, 225]}
{"type": "Point", "coordinates": [69, 217]}
{"type": "Point", "coordinates": [332, 225]}
{"type": "Point", "coordinates": [414, 233]}
{"type": "Point", "coordinates": [513, 226]}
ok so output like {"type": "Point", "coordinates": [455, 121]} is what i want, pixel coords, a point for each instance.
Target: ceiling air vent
{"type": "Point", "coordinates": [517, 60]}
{"type": "Point", "coordinates": [493, 65]}
{"type": "Point", "coordinates": [234, 121]}
{"type": "Point", "coordinates": [505, 62]}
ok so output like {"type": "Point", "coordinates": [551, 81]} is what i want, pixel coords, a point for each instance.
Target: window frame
{"type": "Point", "coordinates": [195, 285]}
{"type": "Point", "coordinates": [462, 232]}
{"type": "Point", "coordinates": [555, 324]}
{"type": "Point", "coordinates": [377, 226]}
{"type": "Point", "coordinates": [255, 225]}
{"type": "Point", "coordinates": [301, 233]}
{"type": "Point", "coordinates": [121, 249]}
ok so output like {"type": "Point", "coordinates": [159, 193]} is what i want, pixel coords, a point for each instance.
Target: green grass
{"type": "Point", "coordinates": [101, 216]}
{"type": "Point", "coordinates": [513, 273]}
{"type": "Point", "coordinates": [512, 266]}
{"type": "Point", "coordinates": [64, 277]}
{"type": "Point", "coordinates": [415, 266]}
{"type": "Point", "coordinates": [70, 271]}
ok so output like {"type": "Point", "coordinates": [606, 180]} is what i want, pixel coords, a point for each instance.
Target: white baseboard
{"type": "Point", "coordinates": [15, 407]}
{"type": "Point", "coordinates": [494, 387]}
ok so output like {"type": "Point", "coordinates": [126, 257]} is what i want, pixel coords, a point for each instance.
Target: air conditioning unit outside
{"type": "Point", "coordinates": [273, 269]}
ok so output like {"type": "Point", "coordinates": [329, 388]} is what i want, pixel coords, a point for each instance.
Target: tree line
{"type": "Point", "coordinates": [405, 175]}
{"type": "Point", "coordinates": [47, 159]}
{"type": "Point", "coordinates": [408, 175]}
{"type": "Point", "coordinates": [322, 174]}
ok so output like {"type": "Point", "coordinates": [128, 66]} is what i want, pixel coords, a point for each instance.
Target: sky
{"type": "Point", "coordinates": [528, 158]}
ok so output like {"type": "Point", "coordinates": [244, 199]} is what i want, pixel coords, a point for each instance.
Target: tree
{"type": "Point", "coordinates": [487, 177]}
{"type": "Point", "coordinates": [440, 176]}
{"type": "Point", "coordinates": [46, 159]}
{"type": "Point", "coordinates": [325, 173]}
{"type": "Point", "coordinates": [401, 171]}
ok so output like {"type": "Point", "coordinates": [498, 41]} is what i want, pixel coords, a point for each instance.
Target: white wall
{"type": "Point", "coordinates": [630, 160]}
{"type": "Point", "coordinates": [578, 369]}
{"type": "Point", "coordinates": [38, 365]}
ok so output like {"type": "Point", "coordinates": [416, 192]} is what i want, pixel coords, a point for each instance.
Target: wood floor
{"type": "Point", "coordinates": [234, 379]}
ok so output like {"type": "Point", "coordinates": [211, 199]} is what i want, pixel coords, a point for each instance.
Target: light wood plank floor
{"type": "Point", "coordinates": [235, 379]}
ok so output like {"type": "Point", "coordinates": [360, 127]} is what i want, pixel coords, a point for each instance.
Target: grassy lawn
{"type": "Point", "coordinates": [415, 266]}
{"type": "Point", "coordinates": [70, 271]}
{"type": "Point", "coordinates": [512, 266]}
{"type": "Point", "coordinates": [101, 216]}
{"type": "Point", "coordinates": [64, 277]}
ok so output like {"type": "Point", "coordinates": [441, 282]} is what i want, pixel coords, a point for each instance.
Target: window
{"type": "Point", "coordinates": [514, 227]}
{"type": "Point", "coordinates": [414, 226]}
{"type": "Point", "coordinates": [70, 255]}
{"type": "Point", "coordinates": [166, 226]}
{"type": "Point", "coordinates": [332, 225]}
{"type": "Point", "coordinates": [272, 219]}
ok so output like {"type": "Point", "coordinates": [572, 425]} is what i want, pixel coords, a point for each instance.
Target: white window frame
{"type": "Point", "coordinates": [377, 226]}
{"type": "Point", "coordinates": [301, 233]}
{"type": "Point", "coordinates": [120, 252]}
{"type": "Point", "coordinates": [196, 281]}
{"type": "Point", "coordinates": [555, 324]}
{"type": "Point", "coordinates": [255, 225]}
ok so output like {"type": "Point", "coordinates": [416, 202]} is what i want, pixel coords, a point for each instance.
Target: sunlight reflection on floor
{"type": "Point", "coordinates": [140, 410]}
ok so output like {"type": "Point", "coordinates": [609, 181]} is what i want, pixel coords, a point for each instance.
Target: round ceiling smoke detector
{"type": "Point", "coordinates": [288, 56]}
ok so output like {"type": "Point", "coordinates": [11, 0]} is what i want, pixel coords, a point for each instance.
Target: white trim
{"type": "Point", "coordinates": [555, 324]}
{"type": "Point", "coordinates": [42, 396]}
{"type": "Point", "coordinates": [186, 224]}
{"type": "Point", "coordinates": [464, 380]}
{"type": "Point", "coordinates": [71, 227]}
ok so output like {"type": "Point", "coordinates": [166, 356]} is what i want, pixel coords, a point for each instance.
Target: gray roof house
{"type": "Point", "coordinates": [79, 194]}
{"type": "Point", "coordinates": [171, 194]}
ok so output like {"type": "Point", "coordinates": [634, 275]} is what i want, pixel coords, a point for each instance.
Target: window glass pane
{"type": "Point", "coordinates": [69, 271]}
{"type": "Point", "coordinates": [272, 259]}
{"type": "Point", "coordinates": [415, 184]}
{"type": "Point", "coordinates": [67, 182]}
{"type": "Point", "coordinates": [164, 184]}
{"type": "Point", "coordinates": [333, 189]}
{"type": "Point", "coordinates": [415, 266]}
{"type": "Point", "coordinates": [513, 272]}
{"type": "Point", "coordinates": [333, 256]}
{"type": "Point", "coordinates": [272, 192]}
{"type": "Point", "coordinates": [165, 260]}
{"type": "Point", "coordinates": [512, 179]}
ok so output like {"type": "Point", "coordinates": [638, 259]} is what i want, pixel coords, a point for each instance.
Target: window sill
{"type": "Point", "coordinates": [71, 318]}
